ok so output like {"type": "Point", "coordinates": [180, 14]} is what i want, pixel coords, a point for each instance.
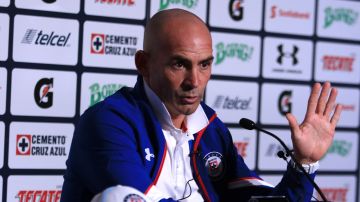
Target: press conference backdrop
{"type": "Point", "coordinates": [58, 57]}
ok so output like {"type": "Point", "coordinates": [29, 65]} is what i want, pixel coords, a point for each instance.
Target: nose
{"type": "Point", "coordinates": [192, 79]}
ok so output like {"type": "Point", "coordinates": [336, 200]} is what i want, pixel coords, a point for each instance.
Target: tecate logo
{"type": "Point", "coordinates": [338, 63]}
{"type": "Point", "coordinates": [34, 36]}
{"type": "Point", "coordinates": [39, 195]}
{"type": "Point", "coordinates": [232, 103]}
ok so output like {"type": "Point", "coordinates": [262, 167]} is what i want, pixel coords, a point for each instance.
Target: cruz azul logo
{"type": "Point", "coordinates": [42, 38]}
{"type": "Point", "coordinates": [43, 94]}
{"type": "Point", "coordinates": [236, 9]}
{"type": "Point", "coordinates": [335, 194]}
{"type": "Point", "coordinates": [345, 15]}
{"type": "Point", "coordinates": [99, 93]}
{"type": "Point", "coordinates": [40, 145]}
{"type": "Point", "coordinates": [338, 63]}
{"type": "Point", "coordinates": [116, 2]}
{"type": "Point", "coordinates": [241, 147]}
{"type": "Point", "coordinates": [226, 102]}
{"type": "Point", "coordinates": [240, 51]}
{"type": "Point", "coordinates": [107, 44]}
{"type": "Point", "coordinates": [287, 55]}
{"type": "Point", "coordinates": [39, 195]}
{"type": "Point", "coordinates": [190, 4]}
{"type": "Point", "coordinates": [278, 12]}
{"type": "Point", "coordinates": [284, 102]}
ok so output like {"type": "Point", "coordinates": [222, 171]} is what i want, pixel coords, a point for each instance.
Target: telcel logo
{"type": "Point", "coordinates": [232, 103]}
{"type": "Point", "coordinates": [44, 39]}
{"type": "Point", "coordinates": [164, 4]}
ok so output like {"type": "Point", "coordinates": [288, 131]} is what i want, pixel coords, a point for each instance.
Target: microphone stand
{"type": "Point", "coordinates": [250, 125]}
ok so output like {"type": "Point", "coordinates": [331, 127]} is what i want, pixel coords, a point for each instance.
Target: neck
{"type": "Point", "coordinates": [178, 120]}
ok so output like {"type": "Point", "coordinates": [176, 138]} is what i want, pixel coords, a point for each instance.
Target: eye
{"type": "Point", "coordinates": [178, 65]}
{"type": "Point", "coordinates": [205, 65]}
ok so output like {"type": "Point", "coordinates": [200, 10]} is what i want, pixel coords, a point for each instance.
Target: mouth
{"type": "Point", "coordinates": [188, 100]}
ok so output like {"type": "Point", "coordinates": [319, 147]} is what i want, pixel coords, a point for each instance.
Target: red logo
{"type": "Point", "coordinates": [241, 148]}
{"type": "Point", "coordinates": [117, 2]}
{"type": "Point", "coordinates": [97, 43]}
{"type": "Point", "coordinates": [346, 107]}
{"type": "Point", "coordinates": [23, 144]}
{"type": "Point", "coordinates": [335, 194]}
{"type": "Point", "coordinates": [275, 12]}
{"type": "Point", "coordinates": [39, 195]}
{"type": "Point", "coordinates": [338, 63]}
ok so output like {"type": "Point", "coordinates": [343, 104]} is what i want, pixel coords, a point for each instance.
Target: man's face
{"type": "Point", "coordinates": [179, 69]}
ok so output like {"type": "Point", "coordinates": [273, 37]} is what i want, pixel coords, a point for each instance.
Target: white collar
{"type": "Point", "coordinates": [194, 122]}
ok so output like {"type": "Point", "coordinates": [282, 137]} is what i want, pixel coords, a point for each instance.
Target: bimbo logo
{"type": "Point", "coordinates": [233, 50]}
{"type": "Point", "coordinates": [236, 9]}
{"type": "Point", "coordinates": [116, 2]}
{"type": "Point", "coordinates": [42, 93]}
{"type": "Point", "coordinates": [338, 63]}
{"type": "Point", "coordinates": [164, 4]}
{"type": "Point", "coordinates": [232, 103]}
{"type": "Point", "coordinates": [284, 102]}
{"type": "Point", "coordinates": [346, 15]}
{"type": "Point", "coordinates": [39, 195]}
{"type": "Point", "coordinates": [106, 44]}
{"type": "Point", "coordinates": [45, 39]}
{"type": "Point", "coordinates": [99, 93]}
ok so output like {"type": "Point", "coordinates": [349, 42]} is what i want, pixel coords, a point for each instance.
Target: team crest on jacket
{"type": "Point", "coordinates": [214, 164]}
{"type": "Point", "coordinates": [133, 198]}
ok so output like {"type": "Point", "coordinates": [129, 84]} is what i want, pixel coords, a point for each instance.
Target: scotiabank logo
{"type": "Point", "coordinates": [226, 102]}
{"type": "Point", "coordinates": [345, 15]}
{"type": "Point", "coordinates": [338, 63]}
{"type": "Point", "coordinates": [277, 12]}
{"type": "Point", "coordinates": [240, 51]}
{"type": "Point", "coordinates": [284, 102]}
{"type": "Point", "coordinates": [23, 144]}
{"type": "Point", "coordinates": [43, 94]}
{"type": "Point", "coordinates": [106, 44]}
{"type": "Point", "coordinates": [335, 194]}
{"type": "Point", "coordinates": [236, 9]}
{"type": "Point", "coordinates": [38, 195]}
{"type": "Point", "coordinates": [116, 2]}
{"type": "Point", "coordinates": [42, 38]}
{"type": "Point", "coordinates": [40, 145]}
{"type": "Point", "coordinates": [241, 148]}
{"type": "Point", "coordinates": [99, 93]}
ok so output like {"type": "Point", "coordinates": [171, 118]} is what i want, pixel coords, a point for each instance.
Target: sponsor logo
{"type": "Point", "coordinates": [335, 194]}
{"type": "Point", "coordinates": [284, 102]}
{"type": "Point", "coordinates": [241, 148]}
{"type": "Point", "coordinates": [233, 50]}
{"type": "Point", "coordinates": [190, 4]}
{"type": "Point", "coordinates": [49, 1]}
{"type": "Point", "coordinates": [278, 12]}
{"type": "Point", "coordinates": [45, 39]}
{"type": "Point", "coordinates": [133, 198]}
{"type": "Point", "coordinates": [42, 93]}
{"type": "Point", "coordinates": [346, 107]}
{"type": "Point", "coordinates": [225, 102]}
{"type": "Point", "coordinates": [273, 149]}
{"type": "Point", "coordinates": [236, 10]}
{"type": "Point", "coordinates": [345, 15]}
{"type": "Point", "coordinates": [106, 44]}
{"type": "Point", "coordinates": [148, 155]}
{"type": "Point", "coordinates": [38, 195]}
{"type": "Point", "coordinates": [340, 147]}
{"type": "Point", "coordinates": [40, 145]}
{"type": "Point", "coordinates": [214, 165]}
{"type": "Point", "coordinates": [338, 63]}
{"type": "Point", "coordinates": [116, 2]}
{"type": "Point", "coordinates": [283, 54]}
{"type": "Point", "coordinates": [99, 93]}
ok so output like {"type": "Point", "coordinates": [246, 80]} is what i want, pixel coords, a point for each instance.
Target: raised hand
{"type": "Point", "coordinates": [312, 138]}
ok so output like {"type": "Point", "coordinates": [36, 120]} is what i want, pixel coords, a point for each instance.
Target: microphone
{"type": "Point", "coordinates": [250, 125]}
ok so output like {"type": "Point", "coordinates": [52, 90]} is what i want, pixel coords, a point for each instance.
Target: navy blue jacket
{"type": "Point", "coordinates": [108, 148]}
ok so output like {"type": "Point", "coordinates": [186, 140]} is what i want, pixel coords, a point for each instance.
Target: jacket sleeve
{"type": "Point", "coordinates": [105, 153]}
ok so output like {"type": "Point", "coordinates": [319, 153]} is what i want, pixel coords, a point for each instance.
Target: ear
{"type": "Point", "coordinates": [141, 61]}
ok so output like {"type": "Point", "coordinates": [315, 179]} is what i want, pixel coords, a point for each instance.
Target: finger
{"type": "Point", "coordinates": [294, 126]}
{"type": "Point", "coordinates": [336, 116]}
{"type": "Point", "coordinates": [331, 103]}
{"type": "Point", "coordinates": [323, 97]}
{"type": "Point", "coordinates": [313, 99]}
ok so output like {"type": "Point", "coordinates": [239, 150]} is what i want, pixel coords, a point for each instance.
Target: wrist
{"type": "Point", "coordinates": [310, 168]}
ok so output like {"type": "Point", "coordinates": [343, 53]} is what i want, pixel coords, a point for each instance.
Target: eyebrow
{"type": "Point", "coordinates": [182, 58]}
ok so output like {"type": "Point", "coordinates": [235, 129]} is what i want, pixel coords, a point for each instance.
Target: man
{"type": "Point", "coordinates": [160, 139]}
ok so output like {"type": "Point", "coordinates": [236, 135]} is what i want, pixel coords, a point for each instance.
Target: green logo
{"type": "Point", "coordinates": [186, 3]}
{"type": "Point", "coordinates": [345, 15]}
{"type": "Point", "coordinates": [340, 147]}
{"type": "Point", "coordinates": [99, 93]}
{"type": "Point", "coordinates": [241, 51]}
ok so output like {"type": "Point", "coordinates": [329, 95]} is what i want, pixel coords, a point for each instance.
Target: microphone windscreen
{"type": "Point", "coordinates": [247, 123]}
